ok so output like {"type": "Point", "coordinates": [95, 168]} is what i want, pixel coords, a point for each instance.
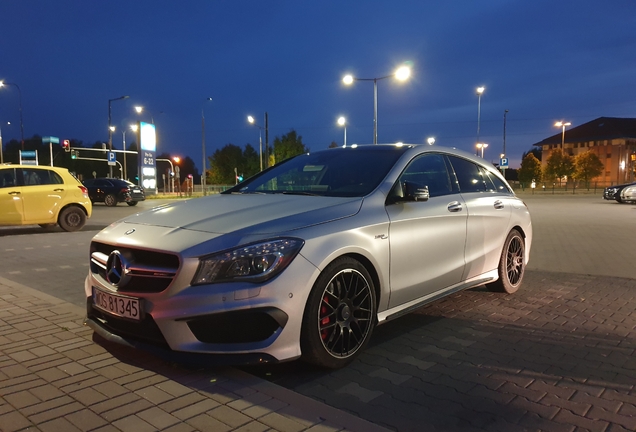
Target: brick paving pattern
{"type": "Point", "coordinates": [560, 354]}
{"type": "Point", "coordinates": [54, 377]}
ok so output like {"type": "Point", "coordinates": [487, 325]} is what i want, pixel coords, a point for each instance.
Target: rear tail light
{"type": "Point", "coordinates": [125, 190]}
{"type": "Point", "coordinates": [84, 191]}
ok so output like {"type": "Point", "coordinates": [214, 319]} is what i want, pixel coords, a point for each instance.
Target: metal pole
{"type": "Point", "coordinates": [110, 141]}
{"type": "Point", "coordinates": [21, 123]}
{"type": "Point", "coordinates": [563, 139]}
{"type": "Point", "coordinates": [260, 146]}
{"type": "Point", "coordinates": [478, 114]}
{"type": "Point", "coordinates": [375, 110]}
{"type": "Point", "coordinates": [123, 132]}
{"type": "Point", "coordinates": [110, 133]}
{"type": "Point", "coordinates": [345, 135]}
{"type": "Point", "coordinates": [1, 156]}
{"type": "Point", "coordinates": [504, 133]}
{"type": "Point", "coordinates": [266, 140]}
{"type": "Point", "coordinates": [503, 169]}
{"type": "Point", "coordinates": [203, 161]}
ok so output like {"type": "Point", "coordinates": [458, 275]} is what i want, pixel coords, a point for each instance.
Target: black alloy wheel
{"type": "Point", "coordinates": [511, 264]}
{"type": "Point", "coordinates": [340, 314]}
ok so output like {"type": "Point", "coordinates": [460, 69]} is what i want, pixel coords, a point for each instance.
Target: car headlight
{"type": "Point", "coordinates": [255, 262]}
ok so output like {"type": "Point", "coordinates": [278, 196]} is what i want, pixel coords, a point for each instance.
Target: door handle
{"type": "Point", "coordinates": [455, 206]}
{"type": "Point", "coordinates": [15, 193]}
{"type": "Point", "coordinates": [499, 204]}
{"type": "Point", "coordinates": [58, 190]}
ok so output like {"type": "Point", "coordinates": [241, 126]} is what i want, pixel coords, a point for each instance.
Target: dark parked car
{"type": "Point", "coordinates": [614, 192]}
{"type": "Point", "coordinates": [113, 191]}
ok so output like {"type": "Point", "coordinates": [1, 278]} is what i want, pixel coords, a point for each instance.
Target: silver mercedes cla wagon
{"type": "Point", "coordinates": [304, 259]}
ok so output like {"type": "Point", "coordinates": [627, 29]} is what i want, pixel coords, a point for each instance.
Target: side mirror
{"type": "Point", "coordinates": [415, 192]}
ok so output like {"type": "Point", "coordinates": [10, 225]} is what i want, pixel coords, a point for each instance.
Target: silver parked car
{"type": "Point", "coordinates": [304, 259]}
{"type": "Point", "coordinates": [628, 194]}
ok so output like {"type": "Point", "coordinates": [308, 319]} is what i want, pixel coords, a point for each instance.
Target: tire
{"type": "Point", "coordinates": [339, 316]}
{"type": "Point", "coordinates": [110, 200]}
{"type": "Point", "coordinates": [511, 264]}
{"type": "Point", "coordinates": [71, 219]}
{"type": "Point", "coordinates": [132, 203]}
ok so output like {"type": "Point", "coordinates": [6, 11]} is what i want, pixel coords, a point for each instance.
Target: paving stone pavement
{"type": "Point", "coordinates": [53, 377]}
{"type": "Point", "coordinates": [558, 355]}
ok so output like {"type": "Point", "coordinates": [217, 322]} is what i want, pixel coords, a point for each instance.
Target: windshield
{"type": "Point", "coordinates": [339, 172]}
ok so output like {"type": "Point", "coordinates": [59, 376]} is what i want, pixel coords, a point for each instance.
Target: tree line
{"type": "Point", "coordinates": [583, 167]}
{"type": "Point", "coordinates": [232, 160]}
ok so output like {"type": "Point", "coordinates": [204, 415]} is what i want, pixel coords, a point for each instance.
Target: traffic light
{"type": "Point", "coordinates": [74, 154]}
{"type": "Point", "coordinates": [66, 145]}
{"type": "Point", "coordinates": [239, 178]}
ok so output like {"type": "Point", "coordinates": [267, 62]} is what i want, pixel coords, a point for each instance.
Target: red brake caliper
{"type": "Point", "coordinates": [324, 321]}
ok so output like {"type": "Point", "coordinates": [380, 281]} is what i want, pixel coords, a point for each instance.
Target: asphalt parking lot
{"type": "Point", "coordinates": [557, 355]}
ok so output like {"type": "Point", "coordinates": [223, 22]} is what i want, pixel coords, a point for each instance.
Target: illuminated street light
{"type": "Point", "coordinates": [141, 109]}
{"type": "Point", "coordinates": [2, 84]}
{"type": "Point", "coordinates": [562, 124]}
{"type": "Point", "coordinates": [343, 122]}
{"type": "Point", "coordinates": [480, 91]}
{"type": "Point", "coordinates": [401, 74]}
{"type": "Point", "coordinates": [481, 146]}
{"type": "Point", "coordinates": [430, 141]}
{"type": "Point", "coordinates": [251, 120]}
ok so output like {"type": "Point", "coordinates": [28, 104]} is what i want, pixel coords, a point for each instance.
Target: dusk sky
{"type": "Point", "coordinates": [543, 61]}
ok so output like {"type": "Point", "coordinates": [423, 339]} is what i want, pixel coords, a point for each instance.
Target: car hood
{"type": "Point", "coordinates": [253, 214]}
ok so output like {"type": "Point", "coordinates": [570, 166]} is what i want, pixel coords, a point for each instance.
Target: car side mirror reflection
{"type": "Point", "coordinates": [415, 192]}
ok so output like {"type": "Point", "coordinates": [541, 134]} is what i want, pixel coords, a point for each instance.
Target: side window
{"type": "Point", "coordinates": [32, 177]}
{"type": "Point", "coordinates": [429, 170]}
{"type": "Point", "coordinates": [7, 178]}
{"type": "Point", "coordinates": [498, 184]}
{"type": "Point", "coordinates": [55, 178]}
{"type": "Point", "coordinates": [469, 175]}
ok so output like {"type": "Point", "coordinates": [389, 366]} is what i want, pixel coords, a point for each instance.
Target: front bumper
{"type": "Point", "coordinates": [237, 322]}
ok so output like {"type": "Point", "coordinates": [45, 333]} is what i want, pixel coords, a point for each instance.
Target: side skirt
{"type": "Point", "coordinates": [406, 308]}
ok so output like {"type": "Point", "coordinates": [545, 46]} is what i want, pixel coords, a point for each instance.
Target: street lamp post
{"type": "Point", "coordinates": [562, 124]}
{"type": "Point", "coordinates": [204, 158]}
{"type": "Point", "coordinates": [480, 91]}
{"type": "Point", "coordinates": [343, 122]}
{"type": "Point", "coordinates": [252, 121]}
{"type": "Point", "coordinates": [401, 74]}
{"type": "Point", "coordinates": [1, 156]}
{"type": "Point", "coordinates": [110, 131]}
{"type": "Point", "coordinates": [2, 84]}
{"type": "Point", "coordinates": [482, 147]}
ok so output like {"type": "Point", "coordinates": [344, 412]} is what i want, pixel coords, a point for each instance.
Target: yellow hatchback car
{"type": "Point", "coordinates": [42, 195]}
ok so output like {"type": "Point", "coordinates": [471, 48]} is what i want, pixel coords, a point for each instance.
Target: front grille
{"type": "Point", "coordinates": [253, 325]}
{"type": "Point", "coordinates": [150, 271]}
{"type": "Point", "coordinates": [145, 330]}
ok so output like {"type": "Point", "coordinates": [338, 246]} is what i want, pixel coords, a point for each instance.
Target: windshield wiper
{"type": "Point", "coordinates": [299, 193]}
{"type": "Point", "coordinates": [248, 192]}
